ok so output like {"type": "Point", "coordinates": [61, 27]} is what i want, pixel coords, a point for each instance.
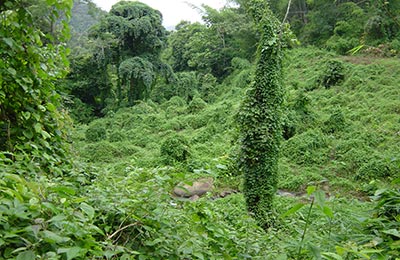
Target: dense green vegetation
{"type": "Point", "coordinates": [90, 155]}
{"type": "Point", "coordinates": [259, 117]}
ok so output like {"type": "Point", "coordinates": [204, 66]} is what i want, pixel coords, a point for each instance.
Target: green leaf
{"type": "Point", "coordinates": [41, 108]}
{"type": "Point", "coordinates": [27, 255]}
{"type": "Point", "coordinates": [26, 115]}
{"type": "Point", "coordinates": [327, 211]}
{"type": "Point", "coordinates": [393, 232]}
{"type": "Point", "coordinates": [311, 190]}
{"type": "Point", "coordinates": [12, 71]}
{"type": "Point", "coordinates": [71, 252]}
{"type": "Point", "coordinates": [9, 41]}
{"type": "Point", "coordinates": [28, 133]}
{"type": "Point", "coordinates": [43, 66]}
{"type": "Point", "coordinates": [52, 237]}
{"type": "Point", "coordinates": [292, 210]}
{"type": "Point", "coordinates": [329, 255]}
{"type": "Point", "coordinates": [50, 107]}
{"type": "Point", "coordinates": [320, 198]}
{"type": "Point", "coordinates": [89, 210]}
{"type": "Point", "coordinates": [38, 127]}
{"type": "Point", "coordinates": [315, 251]}
{"type": "Point", "coordinates": [63, 190]}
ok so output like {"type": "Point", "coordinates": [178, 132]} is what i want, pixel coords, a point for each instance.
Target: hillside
{"type": "Point", "coordinates": [345, 134]}
{"type": "Point", "coordinates": [341, 145]}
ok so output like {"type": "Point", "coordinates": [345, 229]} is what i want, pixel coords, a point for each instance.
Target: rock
{"type": "Point", "coordinates": [198, 188]}
{"type": "Point", "coordinates": [194, 198]}
{"type": "Point", "coordinates": [226, 193]}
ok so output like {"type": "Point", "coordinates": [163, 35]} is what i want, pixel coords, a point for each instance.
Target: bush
{"type": "Point", "coordinates": [307, 148]}
{"type": "Point", "coordinates": [101, 152]}
{"type": "Point", "coordinates": [96, 131]}
{"type": "Point", "coordinates": [116, 136]}
{"type": "Point", "coordinates": [333, 74]}
{"type": "Point", "coordinates": [336, 122]}
{"type": "Point", "coordinates": [196, 105]}
{"type": "Point", "coordinates": [376, 168]}
{"type": "Point", "coordinates": [175, 149]}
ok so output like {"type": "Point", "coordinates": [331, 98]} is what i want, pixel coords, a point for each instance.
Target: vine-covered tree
{"type": "Point", "coordinates": [260, 118]}
{"type": "Point", "coordinates": [140, 38]}
{"type": "Point", "coordinates": [32, 58]}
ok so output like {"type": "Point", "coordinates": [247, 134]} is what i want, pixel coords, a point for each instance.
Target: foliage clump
{"type": "Point", "coordinates": [196, 104]}
{"type": "Point", "coordinates": [260, 119]}
{"type": "Point", "coordinates": [31, 123]}
{"type": "Point", "coordinates": [336, 122]}
{"type": "Point", "coordinates": [96, 132]}
{"type": "Point", "coordinates": [175, 149]}
{"type": "Point", "coordinates": [307, 148]}
{"type": "Point", "coordinates": [333, 73]}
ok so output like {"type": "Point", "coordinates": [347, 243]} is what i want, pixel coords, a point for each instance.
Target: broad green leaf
{"type": "Point", "coordinates": [26, 115]}
{"type": "Point", "coordinates": [221, 166]}
{"type": "Point", "coordinates": [43, 66]}
{"type": "Point", "coordinates": [311, 190]}
{"type": "Point", "coordinates": [281, 257]}
{"type": "Point", "coordinates": [327, 211]}
{"type": "Point", "coordinates": [71, 252]}
{"type": "Point", "coordinates": [315, 251]}
{"type": "Point", "coordinates": [393, 232]}
{"type": "Point", "coordinates": [292, 210]}
{"type": "Point", "coordinates": [330, 256]}
{"type": "Point", "coordinates": [27, 133]}
{"type": "Point", "coordinates": [52, 237]}
{"type": "Point", "coordinates": [38, 128]}
{"type": "Point", "coordinates": [41, 108]}
{"type": "Point", "coordinates": [58, 218]}
{"type": "Point", "coordinates": [9, 41]}
{"type": "Point", "coordinates": [199, 255]}
{"type": "Point", "coordinates": [89, 210]}
{"type": "Point", "coordinates": [12, 71]}
{"type": "Point", "coordinates": [50, 107]}
{"type": "Point", "coordinates": [45, 135]}
{"type": "Point", "coordinates": [63, 190]}
{"type": "Point", "coordinates": [27, 255]}
{"type": "Point", "coordinates": [320, 198]}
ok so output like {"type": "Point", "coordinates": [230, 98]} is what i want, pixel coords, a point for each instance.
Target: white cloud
{"type": "Point", "coordinates": [173, 11]}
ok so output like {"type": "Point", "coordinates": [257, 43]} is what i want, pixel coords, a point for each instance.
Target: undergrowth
{"type": "Point", "coordinates": [116, 201]}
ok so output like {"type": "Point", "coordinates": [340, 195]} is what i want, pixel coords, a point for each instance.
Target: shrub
{"type": "Point", "coordinates": [101, 152]}
{"type": "Point", "coordinates": [376, 168]}
{"type": "Point", "coordinates": [175, 149]}
{"type": "Point", "coordinates": [333, 74]}
{"type": "Point", "coordinates": [336, 122]}
{"type": "Point", "coordinates": [196, 105]}
{"type": "Point", "coordinates": [96, 131]}
{"type": "Point", "coordinates": [307, 148]}
{"type": "Point", "coordinates": [140, 137]}
{"type": "Point", "coordinates": [116, 136]}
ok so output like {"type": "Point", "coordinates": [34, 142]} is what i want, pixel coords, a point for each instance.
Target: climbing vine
{"type": "Point", "coordinates": [32, 59]}
{"type": "Point", "coordinates": [260, 118]}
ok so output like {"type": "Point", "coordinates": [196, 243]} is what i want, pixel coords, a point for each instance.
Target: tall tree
{"type": "Point", "coordinates": [210, 47]}
{"type": "Point", "coordinates": [140, 39]}
{"type": "Point", "coordinates": [260, 117]}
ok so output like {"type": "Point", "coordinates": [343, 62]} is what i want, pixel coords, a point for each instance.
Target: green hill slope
{"type": "Point", "coordinates": [341, 144]}
{"type": "Point", "coordinates": [341, 124]}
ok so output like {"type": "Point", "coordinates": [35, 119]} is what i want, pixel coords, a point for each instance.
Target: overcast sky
{"type": "Point", "coordinates": [173, 11]}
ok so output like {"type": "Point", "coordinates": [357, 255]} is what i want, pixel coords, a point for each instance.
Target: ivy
{"type": "Point", "coordinates": [260, 118]}
{"type": "Point", "coordinates": [32, 60]}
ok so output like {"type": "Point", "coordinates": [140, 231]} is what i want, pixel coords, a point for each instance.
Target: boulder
{"type": "Point", "coordinates": [197, 188]}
